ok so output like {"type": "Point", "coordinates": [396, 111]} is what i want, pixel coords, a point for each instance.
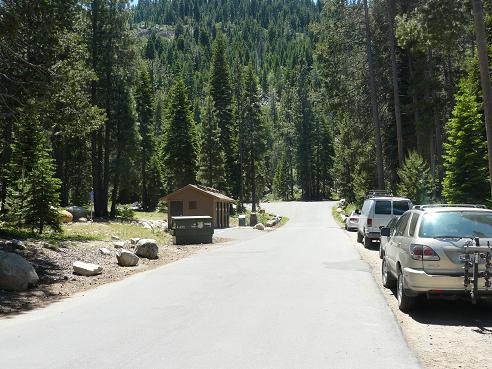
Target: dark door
{"type": "Point", "coordinates": [176, 208]}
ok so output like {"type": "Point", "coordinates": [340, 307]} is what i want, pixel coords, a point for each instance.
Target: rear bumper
{"type": "Point", "coordinates": [419, 281]}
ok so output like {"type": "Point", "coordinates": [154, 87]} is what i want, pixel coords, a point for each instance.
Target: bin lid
{"type": "Point", "coordinates": [242, 216]}
{"type": "Point", "coordinates": [201, 217]}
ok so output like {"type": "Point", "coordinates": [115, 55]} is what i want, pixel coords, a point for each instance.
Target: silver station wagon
{"type": "Point", "coordinates": [439, 252]}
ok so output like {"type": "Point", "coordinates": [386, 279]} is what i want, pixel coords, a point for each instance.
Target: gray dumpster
{"type": "Point", "coordinates": [192, 229]}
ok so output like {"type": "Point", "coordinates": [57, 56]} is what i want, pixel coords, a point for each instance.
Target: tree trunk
{"type": "Point", "coordinates": [374, 102]}
{"type": "Point", "coordinates": [396, 87]}
{"type": "Point", "coordinates": [253, 183]}
{"type": "Point", "coordinates": [484, 76]}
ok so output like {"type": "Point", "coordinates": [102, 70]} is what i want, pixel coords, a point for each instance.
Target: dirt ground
{"type": "Point", "coordinates": [444, 334]}
{"type": "Point", "coordinates": [57, 281]}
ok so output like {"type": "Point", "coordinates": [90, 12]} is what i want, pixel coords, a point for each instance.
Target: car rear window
{"type": "Point", "coordinates": [462, 224]}
{"type": "Point", "coordinates": [399, 207]}
{"type": "Point", "coordinates": [383, 207]}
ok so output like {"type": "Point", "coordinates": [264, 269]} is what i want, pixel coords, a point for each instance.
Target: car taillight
{"type": "Point", "coordinates": [369, 222]}
{"type": "Point", "coordinates": [422, 252]}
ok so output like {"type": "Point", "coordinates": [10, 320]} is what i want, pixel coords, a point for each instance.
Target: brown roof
{"type": "Point", "coordinates": [206, 190]}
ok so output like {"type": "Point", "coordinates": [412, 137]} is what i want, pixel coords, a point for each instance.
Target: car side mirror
{"type": "Point", "coordinates": [385, 232]}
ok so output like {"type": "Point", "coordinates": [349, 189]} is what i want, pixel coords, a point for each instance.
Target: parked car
{"type": "Point", "coordinates": [384, 239]}
{"type": "Point", "coordinates": [376, 213]}
{"type": "Point", "coordinates": [428, 253]}
{"type": "Point", "coordinates": [351, 221]}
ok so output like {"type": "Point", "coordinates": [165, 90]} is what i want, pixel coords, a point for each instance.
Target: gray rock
{"type": "Point", "coordinates": [147, 248]}
{"type": "Point", "coordinates": [126, 258]}
{"type": "Point", "coordinates": [86, 269]}
{"type": "Point", "coordinates": [16, 244]}
{"type": "Point", "coordinates": [119, 244]}
{"type": "Point", "coordinates": [16, 273]}
{"type": "Point", "coordinates": [259, 227]}
{"type": "Point", "coordinates": [82, 220]}
{"type": "Point", "coordinates": [271, 223]}
{"type": "Point", "coordinates": [78, 212]}
{"type": "Point", "coordinates": [115, 237]}
{"type": "Point", "coordinates": [134, 241]}
{"type": "Point", "coordinates": [104, 251]}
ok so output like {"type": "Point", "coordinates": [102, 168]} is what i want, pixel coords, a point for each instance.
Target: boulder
{"type": "Point", "coordinates": [104, 251]}
{"type": "Point", "coordinates": [16, 273]}
{"type": "Point", "coordinates": [16, 244]}
{"type": "Point", "coordinates": [134, 241]}
{"type": "Point", "coordinates": [86, 269]}
{"type": "Point", "coordinates": [126, 258]}
{"type": "Point", "coordinates": [259, 227]}
{"type": "Point", "coordinates": [66, 216]}
{"type": "Point", "coordinates": [77, 212]}
{"type": "Point", "coordinates": [147, 248]}
{"type": "Point", "coordinates": [271, 223]}
{"type": "Point", "coordinates": [119, 244]}
{"type": "Point", "coordinates": [115, 237]}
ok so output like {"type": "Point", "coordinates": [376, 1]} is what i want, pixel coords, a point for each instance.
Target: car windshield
{"type": "Point", "coordinates": [399, 207]}
{"type": "Point", "coordinates": [462, 224]}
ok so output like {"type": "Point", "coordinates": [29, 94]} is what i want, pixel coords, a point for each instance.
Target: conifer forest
{"type": "Point", "coordinates": [118, 102]}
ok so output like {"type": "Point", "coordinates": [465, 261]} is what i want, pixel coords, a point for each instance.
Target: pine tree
{"type": "Point", "coordinates": [221, 93]}
{"type": "Point", "coordinates": [145, 110]}
{"type": "Point", "coordinates": [33, 197]}
{"type": "Point", "coordinates": [281, 186]}
{"type": "Point", "coordinates": [254, 125]}
{"type": "Point", "coordinates": [415, 179]}
{"type": "Point", "coordinates": [465, 157]}
{"type": "Point", "coordinates": [212, 158]}
{"type": "Point", "coordinates": [180, 145]}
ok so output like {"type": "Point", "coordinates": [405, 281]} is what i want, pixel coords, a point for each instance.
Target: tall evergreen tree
{"type": "Point", "coordinates": [415, 179]}
{"type": "Point", "coordinates": [221, 93]}
{"type": "Point", "coordinates": [181, 143]}
{"type": "Point", "coordinates": [145, 110]}
{"type": "Point", "coordinates": [212, 162]}
{"type": "Point", "coordinates": [465, 157]}
{"type": "Point", "coordinates": [254, 124]}
{"type": "Point", "coordinates": [33, 196]}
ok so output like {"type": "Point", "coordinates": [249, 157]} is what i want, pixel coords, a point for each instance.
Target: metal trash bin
{"type": "Point", "coordinates": [192, 229]}
{"type": "Point", "coordinates": [242, 220]}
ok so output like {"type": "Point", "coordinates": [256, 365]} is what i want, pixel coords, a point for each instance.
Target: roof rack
{"type": "Point", "coordinates": [477, 206]}
{"type": "Point", "coordinates": [375, 193]}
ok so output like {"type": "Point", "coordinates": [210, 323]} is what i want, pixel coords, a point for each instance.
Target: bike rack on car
{"type": "Point", "coordinates": [474, 253]}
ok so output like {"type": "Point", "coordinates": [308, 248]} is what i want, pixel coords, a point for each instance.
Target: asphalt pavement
{"type": "Point", "coordinates": [299, 297]}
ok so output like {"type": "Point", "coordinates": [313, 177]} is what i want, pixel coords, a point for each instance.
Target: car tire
{"type": "Point", "coordinates": [367, 242]}
{"type": "Point", "coordinates": [381, 252]}
{"type": "Point", "coordinates": [359, 237]}
{"type": "Point", "coordinates": [386, 277]}
{"type": "Point", "coordinates": [346, 227]}
{"type": "Point", "coordinates": [405, 303]}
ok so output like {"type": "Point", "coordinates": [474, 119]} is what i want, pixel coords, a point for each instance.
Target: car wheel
{"type": "Point", "coordinates": [367, 242]}
{"type": "Point", "coordinates": [346, 227]}
{"type": "Point", "coordinates": [359, 237]}
{"type": "Point", "coordinates": [386, 276]}
{"type": "Point", "coordinates": [381, 252]}
{"type": "Point", "coordinates": [405, 302]}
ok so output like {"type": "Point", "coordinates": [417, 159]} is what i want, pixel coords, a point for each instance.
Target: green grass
{"type": "Point", "coordinates": [150, 215]}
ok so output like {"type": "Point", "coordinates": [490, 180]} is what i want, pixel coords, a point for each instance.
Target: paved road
{"type": "Point", "coordinates": [296, 298]}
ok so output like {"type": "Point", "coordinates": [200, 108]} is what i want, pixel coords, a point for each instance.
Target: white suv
{"type": "Point", "coordinates": [376, 213]}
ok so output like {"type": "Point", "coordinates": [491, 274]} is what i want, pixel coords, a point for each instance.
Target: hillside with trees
{"type": "Point", "coordinates": [285, 99]}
